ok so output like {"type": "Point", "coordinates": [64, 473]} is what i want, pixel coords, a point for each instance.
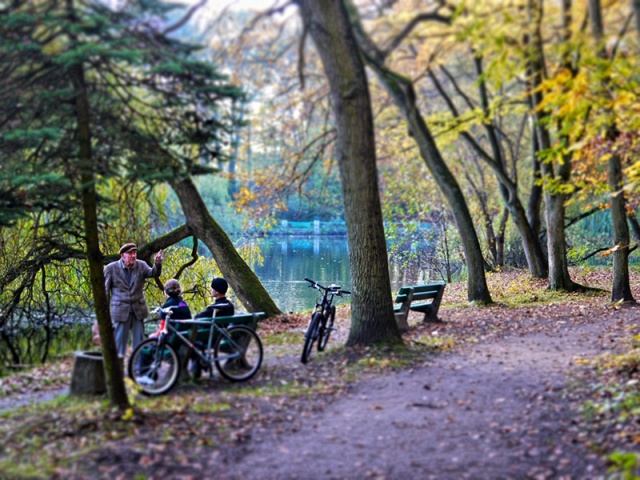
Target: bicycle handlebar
{"type": "Point", "coordinates": [335, 289]}
{"type": "Point", "coordinates": [162, 311]}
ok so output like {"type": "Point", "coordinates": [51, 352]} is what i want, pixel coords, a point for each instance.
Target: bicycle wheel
{"type": "Point", "coordinates": [311, 336]}
{"type": "Point", "coordinates": [155, 368]}
{"type": "Point", "coordinates": [238, 356]}
{"type": "Point", "coordinates": [325, 333]}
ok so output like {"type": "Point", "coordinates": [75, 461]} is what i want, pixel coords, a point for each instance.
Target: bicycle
{"type": "Point", "coordinates": [322, 318]}
{"type": "Point", "coordinates": [235, 350]}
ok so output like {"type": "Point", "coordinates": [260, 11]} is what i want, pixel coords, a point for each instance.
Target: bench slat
{"type": "Point", "coordinates": [423, 288]}
{"type": "Point", "coordinates": [421, 307]}
{"type": "Point", "coordinates": [425, 295]}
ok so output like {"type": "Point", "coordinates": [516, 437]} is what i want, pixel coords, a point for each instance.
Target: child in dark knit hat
{"type": "Point", "coordinates": [222, 305]}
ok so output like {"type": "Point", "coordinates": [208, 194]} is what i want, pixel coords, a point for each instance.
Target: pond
{"type": "Point", "coordinates": [325, 259]}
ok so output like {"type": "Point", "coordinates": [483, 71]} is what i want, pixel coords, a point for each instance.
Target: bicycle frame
{"type": "Point", "coordinates": [324, 313]}
{"type": "Point", "coordinates": [234, 350]}
{"type": "Point", "coordinates": [168, 329]}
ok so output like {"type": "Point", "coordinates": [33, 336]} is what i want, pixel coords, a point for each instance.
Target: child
{"type": "Point", "coordinates": [180, 309]}
{"type": "Point", "coordinates": [222, 305]}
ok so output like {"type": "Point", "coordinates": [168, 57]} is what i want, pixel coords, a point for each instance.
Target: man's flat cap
{"type": "Point", "coordinates": [128, 247]}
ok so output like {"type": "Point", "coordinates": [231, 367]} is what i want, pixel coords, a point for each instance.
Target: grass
{"type": "Point", "coordinates": [293, 389]}
{"type": "Point", "coordinates": [281, 338]}
{"type": "Point", "coordinates": [516, 288]}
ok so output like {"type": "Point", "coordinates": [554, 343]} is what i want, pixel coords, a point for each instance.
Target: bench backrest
{"type": "Point", "coordinates": [202, 335]}
{"type": "Point", "coordinates": [419, 292]}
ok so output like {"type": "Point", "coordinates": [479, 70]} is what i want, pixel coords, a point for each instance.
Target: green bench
{"type": "Point", "coordinates": [418, 298]}
{"type": "Point", "coordinates": [199, 332]}
{"type": "Point", "coordinates": [202, 333]}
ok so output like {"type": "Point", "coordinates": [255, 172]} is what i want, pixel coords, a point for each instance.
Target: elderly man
{"type": "Point", "coordinates": [124, 283]}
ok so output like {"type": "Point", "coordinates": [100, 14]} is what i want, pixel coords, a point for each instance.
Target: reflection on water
{"type": "Point", "coordinates": [325, 259]}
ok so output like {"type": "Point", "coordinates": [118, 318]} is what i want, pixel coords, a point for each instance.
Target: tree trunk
{"type": "Point", "coordinates": [535, 198]}
{"type": "Point", "coordinates": [636, 13]}
{"type": "Point", "coordinates": [559, 278]}
{"type": "Point", "coordinates": [246, 285]}
{"type": "Point", "coordinates": [635, 225]}
{"type": "Point", "coordinates": [621, 289]}
{"type": "Point", "coordinates": [113, 368]}
{"type": "Point", "coordinates": [508, 187]}
{"type": "Point", "coordinates": [372, 317]}
{"type": "Point", "coordinates": [509, 190]}
{"type": "Point", "coordinates": [480, 191]}
{"type": "Point", "coordinates": [403, 94]}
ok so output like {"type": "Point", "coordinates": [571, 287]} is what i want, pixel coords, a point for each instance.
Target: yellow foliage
{"type": "Point", "coordinates": [128, 414]}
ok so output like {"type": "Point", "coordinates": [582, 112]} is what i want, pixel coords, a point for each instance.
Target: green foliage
{"type": "Point", "coordinates": [624, 466]}
{"type": "Point", "coordinates": [155, 112]}
{"type": "Point", "coordinates": [194, 280]}
{"type": "Point", "coordinates": [615, 404]}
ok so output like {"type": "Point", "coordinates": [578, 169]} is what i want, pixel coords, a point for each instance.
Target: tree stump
{"type": "Point", "coordinates": [88, 374]}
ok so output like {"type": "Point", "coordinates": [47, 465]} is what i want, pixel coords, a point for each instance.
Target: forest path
{"type": "Point", "coordinates": [494, 410]}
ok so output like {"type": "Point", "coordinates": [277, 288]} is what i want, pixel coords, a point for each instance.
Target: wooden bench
{"type": "Point", "coordinates": [198, 333]}
{"type": "Point", "coordinates": [418, 298]}
{"type": "Point", "coordinates": [202, 333]}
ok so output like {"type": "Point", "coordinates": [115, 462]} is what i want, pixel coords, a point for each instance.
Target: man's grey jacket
{"type": "Point", "coordinates": [126, 294]}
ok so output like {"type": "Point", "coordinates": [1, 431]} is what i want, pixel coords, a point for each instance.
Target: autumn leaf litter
{"type": "Point", "coordinates": [201, 425]}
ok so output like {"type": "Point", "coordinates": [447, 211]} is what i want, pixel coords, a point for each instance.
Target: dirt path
{"type": "Point", "coordinates": [493, 410]}
{"type": "Point", "coordinates": [497, 409]}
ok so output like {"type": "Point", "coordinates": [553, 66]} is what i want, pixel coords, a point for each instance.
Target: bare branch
{"type": "Point", "coordinates": [194, 259]}
{"type": "Point", "coordinates": [415, 21]}
{"type": "Point", "coordinates": [303, 39]}
{"type": "Point", "coordinates": [187, 16]}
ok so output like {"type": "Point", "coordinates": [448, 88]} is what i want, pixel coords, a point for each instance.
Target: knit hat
{"type": "Point", "coordinates": [220, 285]}
{"type": "Point", "coordinates": [128, 247]}
{"type": "Point", "coordinates": [172, 288]}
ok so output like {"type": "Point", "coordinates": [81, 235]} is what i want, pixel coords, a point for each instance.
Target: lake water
{"type": "Point", "coordinates": [325, 259]}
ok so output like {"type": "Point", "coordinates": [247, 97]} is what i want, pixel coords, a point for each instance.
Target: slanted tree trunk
{"type": "Point", "coordinates": [535, 197]}
{"type": "Point", "coordinates": [113, 369]}
{"type": "Point", "coordinates": [372, 316]}
{"type": "Point", "coordinates": [502, 227]}
{"type": "Point", "coordinates": [636, 13]}
{"type": "Point", "coordinates": [634, 225]}
{"type": "Point", "coordinates": [509, 190]}
{"type": "Point", "coordinates": [480, 191]}
{"type": "Point", "coordinates": [496, 161]}
{"type": "Point", "coordinates": [246, 285]}
{"type": "Point", "coordinates": [402, 91]}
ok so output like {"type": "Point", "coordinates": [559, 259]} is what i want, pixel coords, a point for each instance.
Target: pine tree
{"type": "Point", "coordinates": [91, 93]}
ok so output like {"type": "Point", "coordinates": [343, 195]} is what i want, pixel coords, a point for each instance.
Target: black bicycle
{"type": "Point", "coordinates": [235, 350]}
{"type": "Point", "coordinates": [322, 318]}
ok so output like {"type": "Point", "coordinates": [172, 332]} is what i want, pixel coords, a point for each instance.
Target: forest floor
{"type": "Point", "coordinates": [543, 391]}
